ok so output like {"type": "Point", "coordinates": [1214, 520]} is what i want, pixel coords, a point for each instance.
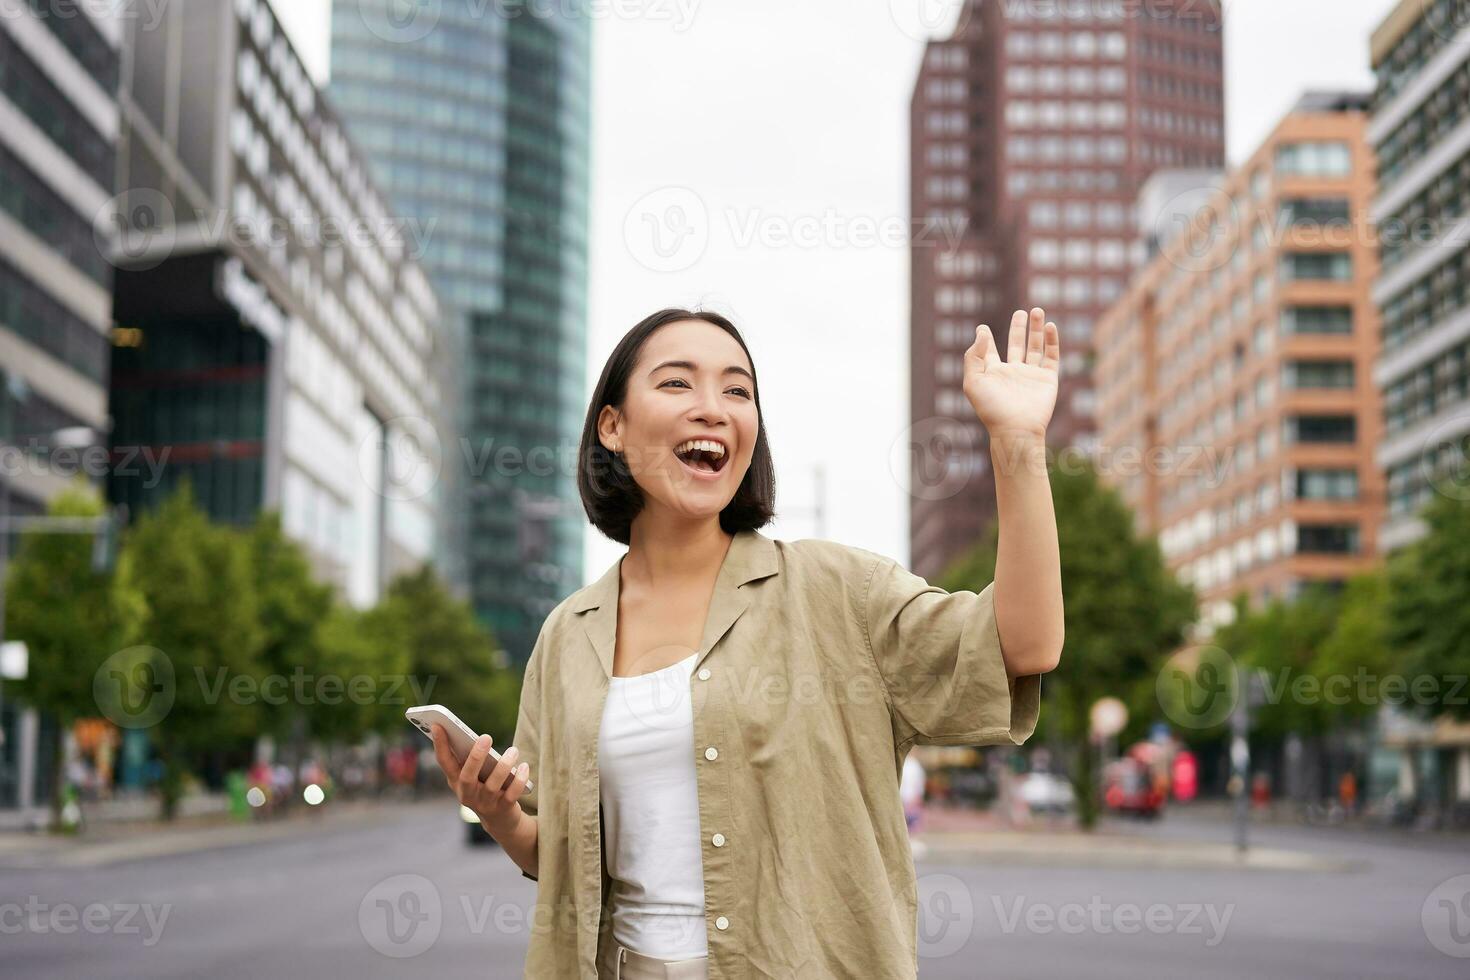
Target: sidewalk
{"type": "Point", "coordinates": [135, 807]}
{"type": "Point", "coordinates": [117, 841]}
{"type": "Point", "coordinates": [968, 836]}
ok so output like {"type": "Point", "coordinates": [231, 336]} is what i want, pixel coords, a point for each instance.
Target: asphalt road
{"type": "Point", "coordinates": [331, 904]}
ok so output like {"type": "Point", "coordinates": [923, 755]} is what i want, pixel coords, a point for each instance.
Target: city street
{"type": "Point", "coordinates": [307, 904]}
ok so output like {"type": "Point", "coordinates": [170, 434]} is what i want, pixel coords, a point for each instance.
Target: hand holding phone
{"type": "Point", "coordinates": [461, 745]}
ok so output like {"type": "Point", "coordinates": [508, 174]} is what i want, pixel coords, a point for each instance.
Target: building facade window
{"type": "Point", "coordinates": [1321, 158]}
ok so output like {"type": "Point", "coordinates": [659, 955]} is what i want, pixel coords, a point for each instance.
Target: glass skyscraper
{"type": "Point", "coordinates": [475, 118]}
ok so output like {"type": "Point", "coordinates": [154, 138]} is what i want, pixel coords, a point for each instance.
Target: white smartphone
{"type": "Point", "coordinates": [461, 737]}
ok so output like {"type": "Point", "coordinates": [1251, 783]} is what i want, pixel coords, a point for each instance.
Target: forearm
{"type": "Point", "coordinates": [1028, 565]}
{"type": "Point", "coordinates": [519, 840]}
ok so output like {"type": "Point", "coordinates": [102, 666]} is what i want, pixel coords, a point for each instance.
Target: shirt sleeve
{"type": "Point", "coordinates": [528, 730]}
{"type": "Point", "coordinates": [938, 655]}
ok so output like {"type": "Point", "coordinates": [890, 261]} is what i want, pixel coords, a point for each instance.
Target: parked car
{"type": "Point", "coordinates": [971, 787]}
{"type": "Point", "coordinates": [476, 833]}
{"type": "Point", "coordinates": [1128, 787]}
{"type": "Point", "coordinates": [1046, 792]}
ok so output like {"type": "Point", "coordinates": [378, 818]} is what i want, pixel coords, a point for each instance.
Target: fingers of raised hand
{"type": "Point", "coordinates": [1016, 340]}
{"type": "Point", "coordinates": [1036, 335]}
{"type": "Point", "coordinates": [982, 347]}
{"type": "Point", "coordinates": [1052, 351]}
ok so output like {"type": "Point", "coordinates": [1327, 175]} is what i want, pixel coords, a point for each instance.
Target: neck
{"type": "Point", "coordinates": [666, 555]}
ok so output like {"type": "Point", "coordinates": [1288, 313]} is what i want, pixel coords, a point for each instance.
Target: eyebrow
{"type": "Point", "coordinates": [691, 366]}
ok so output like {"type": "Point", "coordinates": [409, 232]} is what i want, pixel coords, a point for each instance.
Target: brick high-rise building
{"type": "Point", "coordinates": [1033, 128]}
{"type": "Point", "coordinates": [1237, 412]}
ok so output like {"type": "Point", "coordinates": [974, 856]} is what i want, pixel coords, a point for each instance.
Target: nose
{"type": "Point", "coordinates": [710, 409]}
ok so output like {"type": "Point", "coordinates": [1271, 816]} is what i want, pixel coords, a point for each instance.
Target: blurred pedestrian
{"type": "Point", "coordinates": [911, 792]}
{"type": "Point", "coordinates": [1347, 792]}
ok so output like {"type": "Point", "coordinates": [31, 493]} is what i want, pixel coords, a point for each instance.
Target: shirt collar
{"type": "Point", "coordinates": [751, 556]}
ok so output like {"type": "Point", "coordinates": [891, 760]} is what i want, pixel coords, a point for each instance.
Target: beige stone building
{"type": "Point", "coordinates": [1237, 412]}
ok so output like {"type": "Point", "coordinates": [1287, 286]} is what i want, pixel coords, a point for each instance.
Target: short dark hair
{"type": "Point", "coordinates": [610, 495]}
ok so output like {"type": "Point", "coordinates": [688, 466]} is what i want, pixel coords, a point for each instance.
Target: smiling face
{"type": "Point", "coordinates": [688, 425]}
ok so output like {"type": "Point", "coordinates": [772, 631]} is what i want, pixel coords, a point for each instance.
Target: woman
{"type": "Point", "coordinates": [717, 726]}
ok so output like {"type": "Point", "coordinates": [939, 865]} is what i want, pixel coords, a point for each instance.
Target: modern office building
{"type": "Point", "coordinates": [1420, 130]}
{"type": "Point", "coordinates": [1033, 129]}
{"type": "Point", "coordinates": [274, 335]}
{"type": "Point", "coordinates": [1237, 412]}
{"type": "Point", "coordinates": [475, 120]}
{"type": "Point", "coordinates": [58, 132]}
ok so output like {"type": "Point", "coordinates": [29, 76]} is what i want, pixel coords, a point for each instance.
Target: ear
{"type": "Point", "coordinates": [609, 428]}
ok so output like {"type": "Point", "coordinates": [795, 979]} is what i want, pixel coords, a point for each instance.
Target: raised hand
{"type": "Point", "coordinates": [1016, 395]}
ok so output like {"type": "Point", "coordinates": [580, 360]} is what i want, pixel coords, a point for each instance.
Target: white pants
{"type": "Point", "coordinates": [622, 963]}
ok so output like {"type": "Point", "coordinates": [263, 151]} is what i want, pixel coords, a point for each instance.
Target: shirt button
{"type": "Point", "coordinates": [722, 923]}
{"type": "Point", "coordinates": [704, 673]}
{"type": "Point", "coordinates": [711, 753]}
{"type": "Point", "coordinates": [718, 840]}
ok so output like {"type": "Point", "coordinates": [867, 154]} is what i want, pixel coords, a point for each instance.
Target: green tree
{"type": "Point", "coordinates": [195, 673]}
{"type": "Point", "coordinates": [451, 658]}
{"type": "Point", "coordinates": [1428, 616]}
{"type": "Point", "coordinates": [1280, 644]}
{"type": "Point", "coordinates": [1357, 643]}
{"type": "Point", "coordinates": [1125, 612]}
{"type": "Point", "coordinates": [372, 699]}
{"type": "Point", "coordinates": [71, 615]}
{"type": "Point", "coordinates": [291, 606]}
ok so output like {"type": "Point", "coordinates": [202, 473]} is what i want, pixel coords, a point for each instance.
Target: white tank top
{"type": "Point", "coordinates": [650, 812]}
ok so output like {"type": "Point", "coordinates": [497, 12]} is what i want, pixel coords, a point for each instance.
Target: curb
{"type": "Point", "coordinates": [1103, 851]}
{"type": "Point", "coordinates": [44, 851]}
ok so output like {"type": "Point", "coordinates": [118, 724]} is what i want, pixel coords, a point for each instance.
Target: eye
{"type": "Point", "coordinates": [743, 393]}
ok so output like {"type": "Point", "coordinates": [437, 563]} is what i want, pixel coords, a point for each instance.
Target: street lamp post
{"type": "Point", "coordinates": [1248, 696]}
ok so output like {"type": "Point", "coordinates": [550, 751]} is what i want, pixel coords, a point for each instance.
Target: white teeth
{"type": "Point", "coordinates": [704, 444]}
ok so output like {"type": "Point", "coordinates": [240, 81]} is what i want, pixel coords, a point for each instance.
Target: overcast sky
{"type": "Point", "coordinates": [766, 141]}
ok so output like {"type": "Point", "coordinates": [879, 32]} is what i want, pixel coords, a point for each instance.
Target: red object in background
{"type": "Point", "coordinates": [1260, 789]}
{"type": "Point", "coordinates": [402, 765]}
{"type": "Point", "coordinates": [1129, 787]}
{"type": "Point", "coordinates": [1185, 776]}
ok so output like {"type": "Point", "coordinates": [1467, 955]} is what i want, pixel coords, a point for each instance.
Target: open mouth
{"type": "Point", "coordinates": [702, 456]}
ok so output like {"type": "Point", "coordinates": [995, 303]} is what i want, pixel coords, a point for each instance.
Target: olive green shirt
{"type": "Point", "coordinates": [820, 666]}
